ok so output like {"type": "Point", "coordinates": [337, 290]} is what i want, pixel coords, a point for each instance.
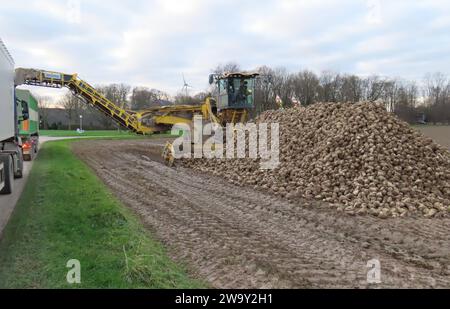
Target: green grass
{"type": "Point", "coordinates": [101, 134]}
{"type": "Point", "coordinates": [67, 213]}
{"type": "Point", "coordinates": [66, 133]}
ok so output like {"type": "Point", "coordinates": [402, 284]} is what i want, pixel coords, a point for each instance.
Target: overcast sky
{"type": "Point", "coordinates": [151, 43]}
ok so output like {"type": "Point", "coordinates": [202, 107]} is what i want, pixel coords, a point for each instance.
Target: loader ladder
{"type": "Point", "coordinates": [84, 91]}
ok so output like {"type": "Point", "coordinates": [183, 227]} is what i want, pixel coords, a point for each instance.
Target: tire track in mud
{"type": "Point", "coordinates": [236, 237]}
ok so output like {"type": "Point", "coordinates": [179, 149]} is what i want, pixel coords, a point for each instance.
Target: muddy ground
{"type": "Point", "coordinates": [235, 237]}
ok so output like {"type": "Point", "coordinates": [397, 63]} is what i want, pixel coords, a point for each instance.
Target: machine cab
{"type": "Point", "coordinates": [236, 91]}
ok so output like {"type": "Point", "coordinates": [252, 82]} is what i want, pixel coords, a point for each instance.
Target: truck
{"type": "Point", "coordinates": [12, 113]}
{"type": "Point", "coordinates": [29, 129]}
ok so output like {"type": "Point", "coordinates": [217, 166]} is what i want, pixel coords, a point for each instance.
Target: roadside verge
{"type": "Point", "coordinates": [66, 213]}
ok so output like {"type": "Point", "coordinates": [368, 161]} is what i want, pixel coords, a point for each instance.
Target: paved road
{"type": "Point", "coordinates": [8, 202]}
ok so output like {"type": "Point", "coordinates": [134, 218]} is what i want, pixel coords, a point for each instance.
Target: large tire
{"type": "Point", "coordinates": [19, 170]}
{"type": "Point", "coordinates": [9, 174]}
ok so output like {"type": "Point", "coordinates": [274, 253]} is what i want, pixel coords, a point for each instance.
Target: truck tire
{"type": "Point", "coordinates": [32, 153]}
{"type": "Point", "coordinates": [9, 174]}
{"type": "Point", "coordinates": [18, 173]}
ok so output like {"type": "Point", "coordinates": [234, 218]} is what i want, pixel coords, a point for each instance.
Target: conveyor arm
{"type": "Point", "coordinates": [85, 91]}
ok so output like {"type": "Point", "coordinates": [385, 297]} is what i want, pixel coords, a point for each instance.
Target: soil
{"type": "Point", "coordinates": [236, 237]}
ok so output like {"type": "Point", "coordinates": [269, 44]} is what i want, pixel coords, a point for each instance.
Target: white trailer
{"type": "Point", "coordinates": [11, 157]}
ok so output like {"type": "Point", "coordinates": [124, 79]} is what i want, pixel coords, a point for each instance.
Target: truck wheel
{"type": "Point", "coordinates": [19, 170]}
{"type": "Point", "coordinates": [9, 174]}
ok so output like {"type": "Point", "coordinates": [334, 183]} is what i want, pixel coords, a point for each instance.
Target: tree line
{"type": "Point", "coordinates": [423, 101]}
{"type": "Point", "coordinates": [123, 95]}
{"type": "Point", "coordinates": [137, 98]}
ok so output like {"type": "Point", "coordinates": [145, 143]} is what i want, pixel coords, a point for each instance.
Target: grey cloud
{"type": "Point", "coordinates": [150, 43]}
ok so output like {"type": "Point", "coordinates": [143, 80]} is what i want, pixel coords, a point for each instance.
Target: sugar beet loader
{"type": "Point", "coordinates": [232, 104]}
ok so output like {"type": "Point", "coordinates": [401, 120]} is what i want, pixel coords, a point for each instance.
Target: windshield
{"type": "Point", "coordinates": [241, 91]}
{"type": "Point", "coordinates": [236, 92]}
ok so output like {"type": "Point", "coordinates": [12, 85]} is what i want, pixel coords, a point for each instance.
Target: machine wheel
{"type": "Point", "coordinates": [36, 145]}
{"type": "Point", "coordinates": [9, 174]}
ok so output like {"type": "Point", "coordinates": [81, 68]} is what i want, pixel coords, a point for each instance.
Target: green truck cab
{"type": "Point", "coordinates": [29, 129]}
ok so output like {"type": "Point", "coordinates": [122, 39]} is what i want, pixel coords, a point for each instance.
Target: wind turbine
{"type": "Point", "coordinates": [186, 86]}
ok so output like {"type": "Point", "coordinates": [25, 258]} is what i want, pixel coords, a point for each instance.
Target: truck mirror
{"type": "Point", "coordinates": [211, 79]}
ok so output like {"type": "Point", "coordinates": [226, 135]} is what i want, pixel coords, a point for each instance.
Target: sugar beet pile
{"type": "Point", "coordinates": [358, 157]}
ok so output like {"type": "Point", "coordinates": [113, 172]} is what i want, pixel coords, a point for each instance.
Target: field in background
{"type": "Point", "coordinates": [67, 133]}
{"type": "Point", "coordinates": [99, 133]}
{"type": "Point", "coordinates": [67, 213]}
{"type": "Point", "coordinates": [440, 134]}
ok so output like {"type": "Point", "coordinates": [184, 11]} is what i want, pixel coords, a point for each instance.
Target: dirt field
{"type": "Point", "coordinates": [440, 134]}
{"type": "Point", "coordinates": [235, 237]}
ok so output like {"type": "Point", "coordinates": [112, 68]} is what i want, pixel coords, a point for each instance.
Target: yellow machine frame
{"type": "Point", "coordinates": [136, 121]}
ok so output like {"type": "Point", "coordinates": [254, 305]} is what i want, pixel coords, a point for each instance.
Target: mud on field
{"type": "Point", "coordinates": [235, 237]}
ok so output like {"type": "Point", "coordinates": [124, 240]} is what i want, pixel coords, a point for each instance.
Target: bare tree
{"type": "Point", "coordinates": [351, 90]}
{"type": "Point", "coordinates": [227, 67]}
{"type": "Point", "coordinates": [330, 84]}
{"type": "Point", "coordinates": [44, 103]}
{"type": "Point", "coordinates": [160, 97]}
{"type": "Point", "coordinates": [73, 107]}
{"type": "Point", "coordinates": [373, 88]}
{"type": "Point", "coordinates": [142, 98]}
{"type": "Point", "coordinates": [282, 83]}
{"type": "Point", "coordinates": [436, 87]}
{"type": "Point", "coordinates": [264, 90]}
{"type": "Point", "coordinates": [306, 87]}
{"type": "Point", "coordinates": [437, 93]}
{"type": "Point", "coordinates": [116, 93]}
{"type": "Point", "coordinates": [406, 98]}
{"type": "Point", "coordinates": [401, 97]}
{"type": "Point", "coordinates": [183, 99]}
